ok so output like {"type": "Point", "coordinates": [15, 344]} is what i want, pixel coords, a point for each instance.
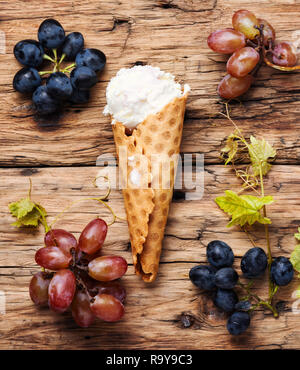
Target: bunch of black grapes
{"type": "Point", "coordinates": [63, 84]}
{"type": "Point", "coordinates": [220, 277]}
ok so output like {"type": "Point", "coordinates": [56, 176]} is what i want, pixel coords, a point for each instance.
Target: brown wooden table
{"type": "Point", "coordinates": [60, 156]}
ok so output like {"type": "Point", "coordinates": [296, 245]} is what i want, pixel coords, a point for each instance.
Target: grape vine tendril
{"type": "Point", "coordinates": [101, 200]}
{"type": "Point", "coordinates": [272, 288]}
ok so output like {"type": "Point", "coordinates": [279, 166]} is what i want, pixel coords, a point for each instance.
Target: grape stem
{"type": "Point", "coordinates": [42, 73]}
{"type": "Point", "coordinates": [259, 301]}
{"type": "Point", "coordinates": [62, 58]}
{"type": "Point", "coordinates": [30, 189]}
{"type": "Point", "coordinates": [76, 267]}
{"type": "Point", "coordinates": [81, 284]}
{"type": "Point", "coordinates": [47, 57]}
{"type": "Point", "coordinates": [73, 253]}
{"type": "Point", "coordinates": [251, 43]}
{"type": "Point", "coordinates": [81, 267]}
{"type": "Point", "coordinates": [272, 287]}
{"type": "Point", "coordinates": [70, 66]}
{"type": "Point", "coordinates": [55, 55]}
{"type": "Point", "coordinates": [43, 219]}
{"type": "Point", "coordinates": [249, 236]}
{"type": "Point", "coordinates": [57, 64]}
{"type": "Point", "coordinates": [67, 69]}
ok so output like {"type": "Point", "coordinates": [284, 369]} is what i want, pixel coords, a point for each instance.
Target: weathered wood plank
{"type": "Point", "coordinates": [169, 34]}
{"type": "Point", "coordinates": [152, 312]}
{"type": "Point", "coordinates": [172, 35]}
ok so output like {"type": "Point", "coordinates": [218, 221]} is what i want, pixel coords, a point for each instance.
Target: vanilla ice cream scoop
{"type": "Point", "coordinates": [136, 92]}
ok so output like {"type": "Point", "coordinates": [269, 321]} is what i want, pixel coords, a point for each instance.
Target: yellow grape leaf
{"type": "Point", "coordinates": [230, 148]}
{"type": "Point", "coordinates": [295, 258]}
{"type": "Point", "coordinates": [27, 212]}
{"type": "Point", "coordinates": [297, 235]}
{"type": "Point", "coordinates": [244, 209]}
{"type": "Point", "coordinates": [260, 152]}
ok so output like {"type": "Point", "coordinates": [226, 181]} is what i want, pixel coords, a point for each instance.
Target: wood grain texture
{"type": "Point", "coordinates": [154, 314]}
{"type": "Point", "coordinates": [170, 34]}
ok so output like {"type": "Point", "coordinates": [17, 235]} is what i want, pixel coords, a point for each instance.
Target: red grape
{"type": "Point", "coordinates": [226, 41]}
{"type": "Point", "coordinates": [38, 288]}
{"type": "Point", "coordinates": [52, 258]}
{"type": "Point", "coordinates": [245, 22]}
{"type": "Point", "coordinates": [113, 288]}
{"type": "Point", "coordinates": [81, 310]}
{"type": "Point", "coordinates": [93, 236]}
{"type": "Point", "coordinates": [62, 239]}
{"type": "Point", "coordinates": [231, 87]}
{"type": "Point", "coordinates": [284, 55]}
{"type": "Point", "coordinates": [242, 62]}
{"type": "Point", "coordinates": [107, 268]}
{"type": "Point", "coordinates": [61, 290]}
{"type": "Point", "coordinates": [107, 308]}
{"type": "Point", "coordinates": [268, 31]}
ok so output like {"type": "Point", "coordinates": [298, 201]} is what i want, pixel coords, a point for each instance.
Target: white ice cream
{"type": "Point", "coordinates": [136, 92]}
{"type": "Point", "coordinates": [135, 177]}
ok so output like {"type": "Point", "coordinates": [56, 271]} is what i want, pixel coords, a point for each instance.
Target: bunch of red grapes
{"type": "Point", "coordinates": [250, 41]}
{"type": "Point", "coordinates": [79, 278]}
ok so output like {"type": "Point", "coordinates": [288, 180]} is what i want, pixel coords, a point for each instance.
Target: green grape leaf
{"type": "Point", "coordinates": [295, 258]}
{"type": "Point", "coordinates": [260, 152]}
{"type": "Point", "coordinates": [297, 235]}
{"type": "Point", "coordinates": [244, 209]}
{"type": "Point", "coordinates": [20, 208]}
{"type": "Point", "coordinates": [27, 212]}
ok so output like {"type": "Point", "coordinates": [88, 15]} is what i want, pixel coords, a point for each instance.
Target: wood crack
{"type": "Point", "coordinates": [169, 4]}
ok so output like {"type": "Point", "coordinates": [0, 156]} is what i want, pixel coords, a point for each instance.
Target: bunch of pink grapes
{"type": "Point", "coordinates": [75, 276]}
{"type": "Point", "coordinates": [249, 42]}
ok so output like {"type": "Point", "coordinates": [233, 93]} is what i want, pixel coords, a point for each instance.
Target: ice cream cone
{"type": "Point", "coordinates": [147, 206]}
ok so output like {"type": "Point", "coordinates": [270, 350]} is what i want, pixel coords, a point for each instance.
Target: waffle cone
{"type": "Point", "coordinates": [147, 205]}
